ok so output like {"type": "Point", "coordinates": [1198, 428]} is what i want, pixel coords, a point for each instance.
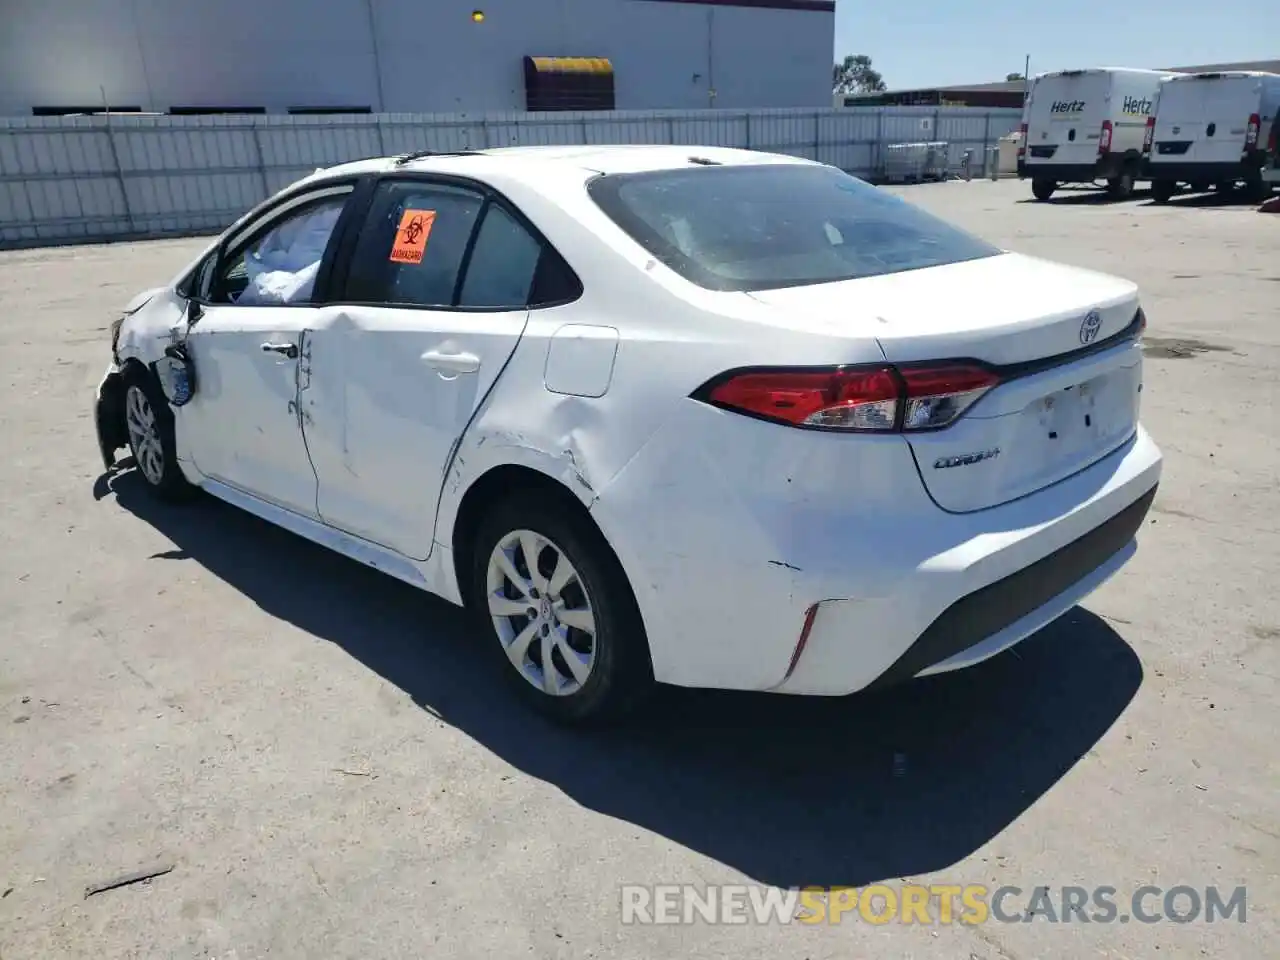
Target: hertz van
{"type": "Point", "coordinates": [1213, 128]}
{"type": "Point", "coordinates": [1081, 126]}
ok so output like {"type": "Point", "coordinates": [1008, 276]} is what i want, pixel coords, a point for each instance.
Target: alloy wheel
{"type": "Point", "coordinates": [144, 435]}
{"type": "Point", "coordinates": [541, 612]}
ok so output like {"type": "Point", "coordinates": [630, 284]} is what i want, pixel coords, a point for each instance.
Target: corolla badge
{"type": "Point", "coordinates": [965, 459]}
{"type": "Point", "coordinates": [1090, 326]}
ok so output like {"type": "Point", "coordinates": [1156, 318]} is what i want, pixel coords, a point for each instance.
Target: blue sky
{"type": "Point", "coordinates": [931, 42]}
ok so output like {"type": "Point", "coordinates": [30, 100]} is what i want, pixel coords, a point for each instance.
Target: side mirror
{"type": "Point", "coordinates": [194, 313]}
{"type": "Point", "coordinates": [177, 375]}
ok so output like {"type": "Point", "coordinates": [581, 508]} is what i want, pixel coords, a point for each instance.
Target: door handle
{"type": "Point", "coordinates": [290, 350]}
{"type": "Point", "coordinates": [452, 362]}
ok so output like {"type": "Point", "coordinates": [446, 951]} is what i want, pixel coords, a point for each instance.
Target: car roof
{"type": "Point", "coordinates": [531, 163]}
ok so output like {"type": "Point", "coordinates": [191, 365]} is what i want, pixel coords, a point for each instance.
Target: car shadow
{"type": "Point", "coordinates": [789, 791]}
{"type": "Point", "coordinates": [1086, 197]}
{"type": "Point", "coordinates": [1232, 200]}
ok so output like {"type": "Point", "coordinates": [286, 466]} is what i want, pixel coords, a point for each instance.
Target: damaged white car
{"type": "Point", "coordinates": [705, 417]}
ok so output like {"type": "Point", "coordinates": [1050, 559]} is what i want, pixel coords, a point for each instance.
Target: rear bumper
{"type": "Point", "coordinates": [1104, 169]}
{"type": "Point", "coordinates": [998, 615]}
{"type": "Point", "coordinates": [1190, 171]}
{"type": "Point", "coordinates": [1000, 581]}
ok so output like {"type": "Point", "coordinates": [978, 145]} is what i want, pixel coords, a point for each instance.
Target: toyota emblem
{"type": "Point", "coordinates": [1090, 326]}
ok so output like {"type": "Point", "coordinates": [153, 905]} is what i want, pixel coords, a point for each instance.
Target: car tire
{"type": "Point", "coordinates": [600, 665]}
{"type": "Point", "coordinates": [148, 423]}
{"type": "Point", "coordinates": [1162, 191]}
{"type": "Point", "coordinates": [1042, 189]}
{"type": "Point", "coordinates": [1121, 187]}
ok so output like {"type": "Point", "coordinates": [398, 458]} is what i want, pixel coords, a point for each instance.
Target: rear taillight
{"type": "Point", "coordinates": [879, 399]}
{"type": "Point", "coordinates": [1104, 141]}
{"type": "Point", "coordinates": [1251, 131]}
{"type": "Point", "coordinates": [1022, 140]}
{"type": "Point", "coordinates": [937, 396]}
{"type": "Point", "coordinates": [1150, 135]}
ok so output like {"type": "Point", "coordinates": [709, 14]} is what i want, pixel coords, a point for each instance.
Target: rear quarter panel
{"type": "Point", "coordinates": [672, 337]}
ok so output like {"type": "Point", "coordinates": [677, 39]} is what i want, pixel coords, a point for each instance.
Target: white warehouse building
{"type": "Point", "coordinates": [412, 56]}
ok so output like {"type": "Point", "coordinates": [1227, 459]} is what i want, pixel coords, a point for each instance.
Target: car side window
{"type": "Point", "coordinates": [503, 263]}
{"type": "Point", "coordinates": [279, 264]}
{"type": "Point", "coordinates": [412, 245]}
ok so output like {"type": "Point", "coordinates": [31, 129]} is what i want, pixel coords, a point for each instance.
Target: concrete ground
{"type": "Point", "coordinates": [333, 771]}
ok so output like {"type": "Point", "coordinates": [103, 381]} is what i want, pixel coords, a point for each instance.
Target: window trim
{"type": "Point", "coordinates": [488, 194]}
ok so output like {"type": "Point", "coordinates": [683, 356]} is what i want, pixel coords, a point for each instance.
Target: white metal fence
{"type": "Point", "coordinates": [70, 179]}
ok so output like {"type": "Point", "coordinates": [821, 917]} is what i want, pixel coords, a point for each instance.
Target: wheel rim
{"type": "Point", "coordinates": [541, 612]}
{"type": "Point", "coordinates": [144, 435]}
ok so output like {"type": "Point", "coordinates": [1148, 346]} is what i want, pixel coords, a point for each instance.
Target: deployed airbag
{"type": "Point", "coordinates": [282, 267]}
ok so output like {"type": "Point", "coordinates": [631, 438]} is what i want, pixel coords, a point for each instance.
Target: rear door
{"type": "Point", "coordinates": [1204, 119]}
{"type": "Point", "coordinates": [433, 304]}
{"type": "Point", "coordinates": [1066, 118]}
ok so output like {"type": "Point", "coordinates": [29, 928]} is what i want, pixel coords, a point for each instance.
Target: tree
{"type": "Point", "coordinates": [1011, 77]}
{"type": "Point", "coordinates": [856, 75]}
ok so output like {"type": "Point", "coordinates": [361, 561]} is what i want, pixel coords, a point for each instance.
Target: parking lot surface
{"type": "Point", "coordinates": [332, 770]}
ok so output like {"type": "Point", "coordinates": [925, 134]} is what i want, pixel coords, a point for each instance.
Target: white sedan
{"type": "Point", "coordinates": [698, 416]}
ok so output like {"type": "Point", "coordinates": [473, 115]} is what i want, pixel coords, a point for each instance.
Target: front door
{"type": "Point", "coordinates": [250, 318]}
{"type": "Point", "coordinates": [404, 356]}
{"type": "Point", "coordinates": [245, 411]}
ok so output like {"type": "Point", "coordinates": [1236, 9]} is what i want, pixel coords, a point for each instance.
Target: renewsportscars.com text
{"type": "Point", "coordinates": [929, 904]}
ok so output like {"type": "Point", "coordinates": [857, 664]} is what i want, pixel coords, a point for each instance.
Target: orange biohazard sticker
{"type": "Point", "coordinates": [411, 236]}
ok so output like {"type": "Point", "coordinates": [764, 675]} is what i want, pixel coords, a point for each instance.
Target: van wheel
{"type": "Point", "coordinates": [1121, 187]}
{"type": "Point", "coordinates": [1042, 189]}
{"type": "Point", "coordinates": [1163, 190]}
{"type": "Point", "coordinates": [1256, 189]}
{"type": "Point", "coordinates": [560, 615]}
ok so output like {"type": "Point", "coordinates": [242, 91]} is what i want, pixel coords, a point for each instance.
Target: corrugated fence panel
{"type": "Point", "coordinates": [629, 127]}
{"type": "Point", "coordinates": [515, 132]}
{"type": "Point", "coordinates": [96, 178]}
{"type": "Point", "coordinates": [850, 140]}
{"type": "Point", "coordinates": [787, 131]}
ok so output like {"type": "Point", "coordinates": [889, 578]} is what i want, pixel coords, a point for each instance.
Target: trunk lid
{"type": "Point", "coordinates": [1066, 399]}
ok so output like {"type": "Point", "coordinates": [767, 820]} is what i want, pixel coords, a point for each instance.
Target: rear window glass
{"type": "Point", "coordinates": [777, 225]}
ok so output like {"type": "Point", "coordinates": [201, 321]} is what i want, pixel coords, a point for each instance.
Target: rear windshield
{"type": "Point", "coordinates": [765, 226]}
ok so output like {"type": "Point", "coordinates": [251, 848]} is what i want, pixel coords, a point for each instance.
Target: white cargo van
{"type": "Point", "coordinates": [1213, 128]}
{"type": "Point", "coordinates": [1080, 126]}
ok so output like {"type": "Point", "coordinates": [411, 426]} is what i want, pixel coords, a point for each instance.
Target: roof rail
{"type": "Point", "coordinates": [404, 158]}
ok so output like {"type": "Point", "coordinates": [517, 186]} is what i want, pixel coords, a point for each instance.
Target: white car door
{"type": "Point", "coordinates": [435, 300]}
{"type": "Point", "coordinates": [249, 313]}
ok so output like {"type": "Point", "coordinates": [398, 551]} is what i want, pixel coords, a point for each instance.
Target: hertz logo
{"type": "Point", "coordinates": [1140, 106]}
{"type": "Point", "coordinates": [1067, 106]}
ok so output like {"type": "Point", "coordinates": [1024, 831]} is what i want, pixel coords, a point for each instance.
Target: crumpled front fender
{"type": "Point", "coordinates": [108, 416]}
